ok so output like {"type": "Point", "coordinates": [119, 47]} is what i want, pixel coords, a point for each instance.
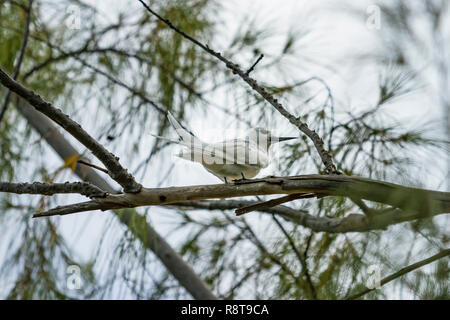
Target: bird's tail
{"type": "Point", "coordinates": [185, 137]}
{"type": "Point", "coordinates": [166, 139]}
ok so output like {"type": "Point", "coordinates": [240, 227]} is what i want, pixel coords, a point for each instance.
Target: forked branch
{"type": "Point", "coordinates": [408, 203]}
{"type": "Point", "coordinates": [111, 162]}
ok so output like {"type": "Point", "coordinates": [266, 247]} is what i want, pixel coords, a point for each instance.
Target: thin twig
{"type": "Point", "coordinates": [73, 54]}
{"type": "Point", "coordinates": [239, 283]}
{"type": "Point", "coordinates": [93, 166]}
{"type": "Point", "coordinates": [273, 202]}
{"type": "Point", "coordinates": [271, 256]}
{"type": "Point", "coordinates": [403, 271]}
{"type": "Point", "coordinates": [305, 269]}
{"type": "Point", "coordinates": [301, 258]}
{"type": "Point", "coordinates": [254, 65]}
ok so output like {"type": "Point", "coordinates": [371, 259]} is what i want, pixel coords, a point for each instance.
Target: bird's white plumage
{"type": "Point", "coordinates": [235, 151]}
{"type": "Point", "coordinates": [229, 159]}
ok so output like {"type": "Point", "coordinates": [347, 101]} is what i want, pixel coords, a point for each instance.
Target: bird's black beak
{"type": "Point", "coordinates": [280, 139]}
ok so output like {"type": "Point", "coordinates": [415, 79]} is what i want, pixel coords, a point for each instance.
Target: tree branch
{"type": "Point", "coordinates": [111, 162]}
{"type": "Point", "coordinates": [364, 208]}
{"type": "Point", "coordinates": [403, 271]}
{"type": "Point", "coordinates": [413, 203]}
{"type": "Point", "coordinates": [273, 202]}
{"type": "Point", "coordinates": [136, 223]}
{"type": "Point", "coordinates": [351, 223]}
{"type": "Point", "coordinates": [254, 64]}
{"type": "Point", "coordinates": [318, 142]}
{"type": "Point", "coordinates": [73, 208]}
{"type": "Point", "coordinates": [48, 189]}
{"type": "Point", "coordinates": [92, 166]}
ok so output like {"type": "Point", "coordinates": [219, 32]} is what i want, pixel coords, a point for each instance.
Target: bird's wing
{"type": "Point", "coordinates": [186, 137]}
{"type": "Point", "coordinates": [205, 153]}
{"type": "Point", "coordinates": [227, 152]}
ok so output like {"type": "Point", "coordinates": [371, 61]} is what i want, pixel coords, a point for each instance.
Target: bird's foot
{"type": "Point", "coordinates": [240, 180]}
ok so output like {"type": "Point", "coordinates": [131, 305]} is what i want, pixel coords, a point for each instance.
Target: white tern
{"type": "Point", "coordinates": [230, 159]}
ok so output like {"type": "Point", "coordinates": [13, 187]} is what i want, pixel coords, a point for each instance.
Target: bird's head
{"type": "Point", "coordinates": [263, 137]}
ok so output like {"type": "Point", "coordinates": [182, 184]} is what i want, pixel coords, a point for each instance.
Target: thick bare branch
{"type": "Point", "coordinates": [413, 203]}
{"type": "Point", "coordinates": [111, 162]}
{"type": "Point", "coordinates": [318, 142]}
{"type": "Point", "coordinates": [48, 189]}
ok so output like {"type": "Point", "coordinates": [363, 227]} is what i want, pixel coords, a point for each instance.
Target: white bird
{"type": "Point", "coordinates": [230, 159]}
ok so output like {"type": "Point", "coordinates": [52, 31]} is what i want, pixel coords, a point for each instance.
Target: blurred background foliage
{"type": "Point", "coordinates": [116, 72]}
